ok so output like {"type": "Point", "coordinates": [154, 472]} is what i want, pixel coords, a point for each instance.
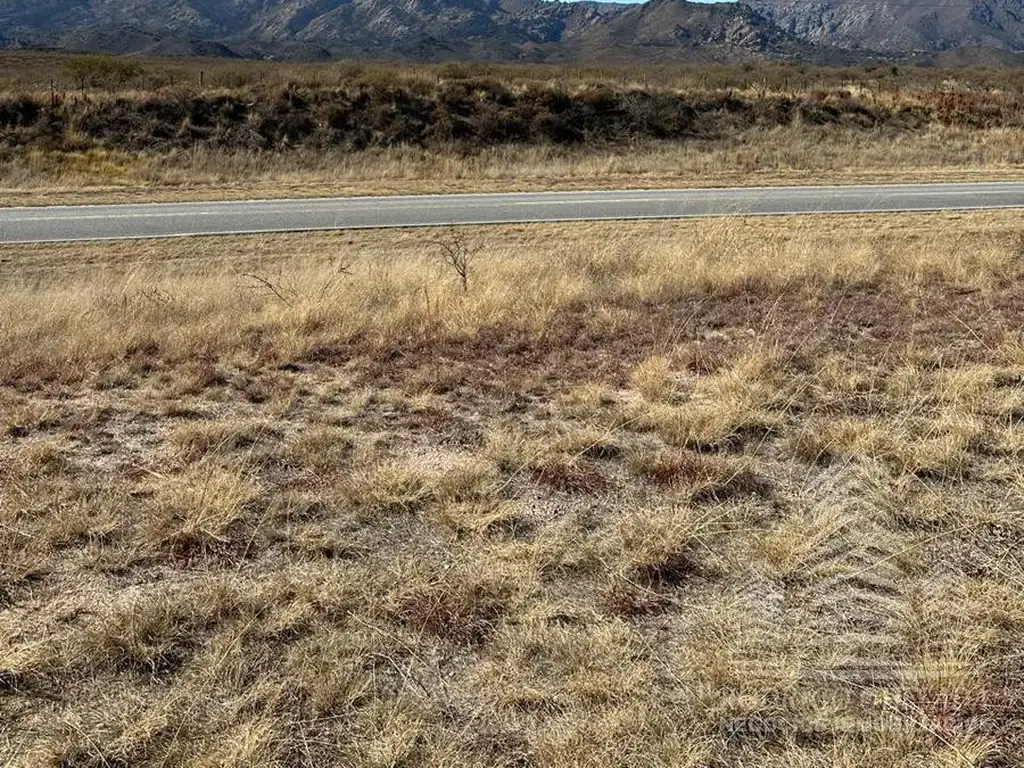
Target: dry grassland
{"type": "Point", "coordinates": [203, 129]}
{"type": "Point", "coordinates": [677, 493]}
{"type": "Point", "coordinates": [786, 155]}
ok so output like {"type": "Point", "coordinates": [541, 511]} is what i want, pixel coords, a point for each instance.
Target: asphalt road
{"type": "Point", "coordinates": [115, 222]}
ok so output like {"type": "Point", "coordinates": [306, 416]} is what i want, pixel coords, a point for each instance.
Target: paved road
{"type": "Point", "coordinates": [114, 222]}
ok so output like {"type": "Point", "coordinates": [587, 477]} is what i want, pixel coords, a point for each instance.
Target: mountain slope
{"type": "Point", "coordinates": [514, 29]}
{"type": "Point", "coordinates": [901, 26]}
{"type": "Point", "coordinates": [418, 29]}
{"type": "Point", "coordinates": [663, 26]}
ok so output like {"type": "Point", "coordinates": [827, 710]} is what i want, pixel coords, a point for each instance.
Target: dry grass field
{"type": "Point", "coordinates": [202, 129]}
{"type": "Point", "coordinates": [786, 155]}
{"type": "Point", "coordinates": [742, 492]}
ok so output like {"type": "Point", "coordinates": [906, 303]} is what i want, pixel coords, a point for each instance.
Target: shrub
{"type": "Point", "coordinates": [98, 71]}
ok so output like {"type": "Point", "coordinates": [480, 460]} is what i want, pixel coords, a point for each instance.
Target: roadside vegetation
{"type": "Point", "coordinates": [686, 493]}
{"type": "Point", "coordinates": [78, 126]}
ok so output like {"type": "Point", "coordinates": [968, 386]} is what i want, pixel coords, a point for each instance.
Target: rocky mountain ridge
{"type": "Point", "coordinates": [900, 26]}
{"type": "Point", "coordinates": [513, 30]}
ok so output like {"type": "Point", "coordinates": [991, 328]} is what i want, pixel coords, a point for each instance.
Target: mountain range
{"type": "Point", "coordinates": [832, 31]}
{"type": "Point", "coordinates": [900, 26]}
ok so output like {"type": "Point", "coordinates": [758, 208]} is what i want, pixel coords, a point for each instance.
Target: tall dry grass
{"type": "Point", "coordinates": [74, 321]}
{"type": "Point", "coordinates": [782, 155]}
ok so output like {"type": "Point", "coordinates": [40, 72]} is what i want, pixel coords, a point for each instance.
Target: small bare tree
{"type": "Point", "coordinates": [455, 252]}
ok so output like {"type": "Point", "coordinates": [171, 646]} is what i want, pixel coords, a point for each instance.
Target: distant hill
{"type": "Point", "coordinates": [513, 30]}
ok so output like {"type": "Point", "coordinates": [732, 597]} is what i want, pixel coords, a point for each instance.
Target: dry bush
{"type": "Point", "coordinates": [656, 552]}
